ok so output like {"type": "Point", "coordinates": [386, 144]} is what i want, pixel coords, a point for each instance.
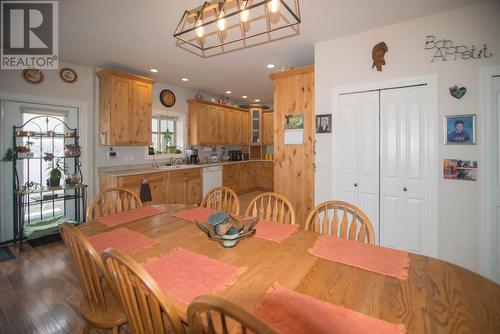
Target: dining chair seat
{"type": "Point", "coordinates": [111, 319]}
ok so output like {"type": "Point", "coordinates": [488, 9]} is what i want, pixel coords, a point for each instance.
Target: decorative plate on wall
{"type": "Point", "coordinates": [33, 76]}
{"type": "Point", "coordinates": [68, 75]}
{"type": "Point", "coordinates": [167, 98]}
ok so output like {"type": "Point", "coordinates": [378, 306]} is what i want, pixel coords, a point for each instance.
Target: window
{"type": "Point", "coordinates": [165, 133]}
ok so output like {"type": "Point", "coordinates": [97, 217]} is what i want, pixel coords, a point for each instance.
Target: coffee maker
{"type": "Point", "coordinates": [235, 156]}
{"type": "Point", "coordinates": [192, 155]}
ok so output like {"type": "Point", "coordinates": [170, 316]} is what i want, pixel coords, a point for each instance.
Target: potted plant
{"type": "Point", "coordinates": [56, 171]}
{"type": "Point", "coordinates": [9, 155]}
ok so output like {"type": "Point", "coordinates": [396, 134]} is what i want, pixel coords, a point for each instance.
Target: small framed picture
{"type": "Point", "coordinates": [460, 169]}
{"type": "Point", "coordinates": [324, 123]}
{"type": "Point", "coordinates": [460, 129]}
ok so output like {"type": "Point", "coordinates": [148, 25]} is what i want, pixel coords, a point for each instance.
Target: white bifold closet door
{"type": "Point", "coordinates": [403, 161]}
{"type": "Point", "coordinates": [359, 153]}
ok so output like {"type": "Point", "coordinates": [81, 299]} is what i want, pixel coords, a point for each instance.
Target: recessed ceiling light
{"type": "Point", "coordinates": [244, 97]}
{"type": "Point", "coordinates": [154, 70]}
{"type": "Point", "coordinates": [185, 79]}
{"type": "Point", "coordinates": [228, 92]}
{"type": "Point", "coordinates": [257, 100]}
{"type": "Point", "coordinates": [270, 66]}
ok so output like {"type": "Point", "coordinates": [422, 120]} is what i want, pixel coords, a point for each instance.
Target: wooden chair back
{"type": "Point", "coordinates": [273, 207]}
{"type": "Point", "coordinates": [112, 201]}
{"type": "Point", "coordinates": [211, 315]}
{"type": "Point", "coordinates": [148, 308]}
{"type": "Point", "coordinates": [222, 198]}
{"type": "Point", "coordinates": [341, 219]}
{"type": "Point", "coordinates": [89, 267]}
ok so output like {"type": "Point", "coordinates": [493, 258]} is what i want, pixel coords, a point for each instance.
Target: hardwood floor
{"type": "Point", "coordinates": [39, 290]}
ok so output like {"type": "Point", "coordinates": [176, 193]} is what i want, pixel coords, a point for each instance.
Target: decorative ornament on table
{"type": "Point", "coordinates": [378, 54]}
{"type": "Point", "coordinates": [167, 98]}
{"type": "Point", "coordinates": [33, 76]}
{"type": "Point", "coordinates": [68, 75]}
{"type": "Point", "coordinates": [458, 91]}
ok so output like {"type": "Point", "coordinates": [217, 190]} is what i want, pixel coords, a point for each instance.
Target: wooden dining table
{"type": "Point", "coordinates": [438, 297]}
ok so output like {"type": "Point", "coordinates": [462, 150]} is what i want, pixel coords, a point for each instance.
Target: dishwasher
{"type": "Point", "coordinates": [212, 177]}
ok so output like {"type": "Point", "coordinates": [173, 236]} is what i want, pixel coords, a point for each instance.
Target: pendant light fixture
{"type": "Point", "coordinates": [220, 26]}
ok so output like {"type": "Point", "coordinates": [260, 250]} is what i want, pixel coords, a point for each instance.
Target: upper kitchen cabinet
{"type": "Point", "coordinates": [267, 127]}
{"type": "Point", "coordinates": [125, 108]}
{"type": "Point", "coordinates": [216, 124]}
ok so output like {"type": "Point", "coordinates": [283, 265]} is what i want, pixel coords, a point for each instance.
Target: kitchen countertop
{"type": "Point", "coordinates": [117, 171]}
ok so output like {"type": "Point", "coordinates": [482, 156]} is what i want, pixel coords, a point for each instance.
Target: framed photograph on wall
{"type": "Point", "coordinates": [460, 129]}
{"type": "Point", "coordinates": [454, 169]}
{"type": "Point", "coordinates": [324, 123]}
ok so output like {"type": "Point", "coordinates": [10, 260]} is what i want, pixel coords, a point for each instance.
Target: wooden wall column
{"type": "Point", "coordinates": [294, 164]}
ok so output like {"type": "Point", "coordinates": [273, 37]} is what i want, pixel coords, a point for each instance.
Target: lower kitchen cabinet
{"type": "Point", "coordinates": [183, 187]}
{"type": "Point", "coordinates": [177, 187]}
{"type": "Point", "coordinates": [249, 176]}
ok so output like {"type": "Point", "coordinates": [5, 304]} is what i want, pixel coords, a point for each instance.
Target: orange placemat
{"type": "Point", "coordinates": [197, 214]}
{"type": "Point", "coordinates": [290, 312]}
{"type": "Point", "coordinates": [123, 239]}
{"type": "Point", "coordinates": [382, 260]}
{"type": "Point", "coordinates": [186, 275]}
{"type": "Point", "coordinates": [129, 216]}
{"type": "Point", "coordinates": [274, 231]}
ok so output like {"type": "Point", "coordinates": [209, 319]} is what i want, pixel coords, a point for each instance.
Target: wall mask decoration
{"type": "Point", "coordinates": [458, 91]}
{"type": "Point", "coordinates": [378, 54]}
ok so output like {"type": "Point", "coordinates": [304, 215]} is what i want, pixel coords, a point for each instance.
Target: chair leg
{"type": "Point", "coordinates": [86, 328]}
{"type": "Point", "coordinates": [116, 330]}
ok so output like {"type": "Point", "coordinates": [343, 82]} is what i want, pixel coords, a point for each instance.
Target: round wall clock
{"type": "Point", "coordinates": [68, 75]}
{"type": "Point", "coordinates": [33, 76]}
{"type": "Point", "coordinates": [167, 98]}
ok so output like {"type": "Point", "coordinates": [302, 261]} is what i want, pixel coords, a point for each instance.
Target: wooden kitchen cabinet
{"type": "Point", "coordinates": [125, 109]}
{"type": "Point", "coordinates": [230, 176]}
{"type": "Point", "coordinates": [183, 187]}
{"type": "Point", "coordinates": [249, 176]}
{"type": "Point", "coordinates": [216, 124]}
{"type": "Point", "coordinates": [267, 127]}
{"type": "Point", "coordinates": [175, 187]}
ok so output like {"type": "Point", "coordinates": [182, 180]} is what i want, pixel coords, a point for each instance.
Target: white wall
{"type": "Point", "coordinates": [347, 61]}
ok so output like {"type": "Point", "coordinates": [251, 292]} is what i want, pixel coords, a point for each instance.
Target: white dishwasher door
{"type": "Point", "coordinates": [212, 177]}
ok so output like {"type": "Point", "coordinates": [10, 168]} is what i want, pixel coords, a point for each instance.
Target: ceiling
{"type": "Point", "coordinates": [138, 35]}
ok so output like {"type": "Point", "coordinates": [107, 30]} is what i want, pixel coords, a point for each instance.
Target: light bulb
{"type": "Point", "coordinates": [274, 6]}
{"type": "Point", "coordinates": [244, 15]}
{"type": "Point", "coordinates": [221, 23]}
{"type": "Point", "coordinates": [200, 31]}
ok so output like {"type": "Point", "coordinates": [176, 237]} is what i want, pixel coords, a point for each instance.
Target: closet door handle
{"type": "Point", "coordinates": [405, 189]}
{"type": "Point", "coordinates": [355, 185]}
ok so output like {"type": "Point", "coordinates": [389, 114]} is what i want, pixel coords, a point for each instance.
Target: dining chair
{"type": "Point", "coordinates": [273, 207]}
{"type": "Point", "coordinates": [112, 201]}
{"type": "Point", "coordinates": [210, 315]}
{"type": "Point", "coordinates": [98, 307]}
{"type": "Point", "coordinates": [149, 310]}
{"type": "Point", "coordinates": [341, 219]}
{"type": "Point", "coordinates": [222, 198]}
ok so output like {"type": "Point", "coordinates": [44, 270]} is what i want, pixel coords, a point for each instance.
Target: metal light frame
{"type": "Point", "coordinates": [219, 6]}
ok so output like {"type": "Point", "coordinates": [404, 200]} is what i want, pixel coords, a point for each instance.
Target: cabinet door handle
{"type": "Point", "coordinates": [405, 189]}
{"type": "Point", "coordinates": [355, 184]}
